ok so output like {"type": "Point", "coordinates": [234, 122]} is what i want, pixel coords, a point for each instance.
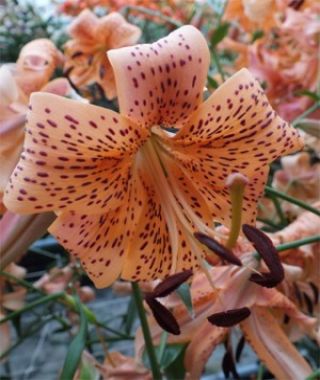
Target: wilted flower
{"type": "Point", "coordinates": [129, 193]}
{"type": "Point", "coordinates": [86, 59]}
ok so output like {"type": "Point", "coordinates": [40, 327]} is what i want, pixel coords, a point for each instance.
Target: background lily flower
{"type": "Point", "coordinates": [92, 37]}
{"type": "Point", "coordinates": [261, 329]}
{"type": "Point", "coordinates": [32, 72]}
{"type": "Point", "coordinates": [286, 60]}
{"type": "Point", "coordinates": [128, 193]}
{"type": "Point", "coordinates": [18, 232]}
{"type": "Point", "coordinates": [10, 300]}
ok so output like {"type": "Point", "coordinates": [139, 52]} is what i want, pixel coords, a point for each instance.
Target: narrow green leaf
{"type": "Point", "coordinates": [315, 375]}
{"type": "Point", "coordinates": [310, 94]}
{"type": "Point", "coordinates": [212, 82]}
{"type": "Point", "coordinates": [170, 354]}
{"type": "Point", "coordinates": [256, 35]}
{"type": "Point", "coordinates": [77, 346]}
{"type": "Point", "coordinates": [185, 295]}
{"type": "Point", "coordinates": [130, 316]}
{"type": "Point", "coordinates": [162, 346]}
{"type": "Point", "coordinates": [219, 34]}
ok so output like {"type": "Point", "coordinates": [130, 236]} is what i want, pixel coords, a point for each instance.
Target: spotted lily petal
{"type": "Point", "coordinates": [273, 347]}
{"type": "Point", "coordinates": [235, 130]}
{"type": "Point", "coordinates": [65, 166]}
{"type": "Point", "coordinates": [165, 80]}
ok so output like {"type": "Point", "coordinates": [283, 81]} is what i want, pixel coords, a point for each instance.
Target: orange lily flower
{"type": "Point", "coordinates": [252, 14]}
{"type": "Point", "coordinates": [129, 194]}
{"type": "Point", "coordinates": [86, 60]}
{"type": "Point", "coordinates": [262, 329]}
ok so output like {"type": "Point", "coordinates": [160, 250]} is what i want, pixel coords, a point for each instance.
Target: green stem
{"type": "Point", "coordinates": [33, 330]}
{"type": "Point", "coordinates": [270, 223]}
{"type": "Point", "coordinates": [292, 244]}
{"type": "Point", "coordinates": [31, 305]}
{"type": "Point", "coordinates": [277, 205]}
{"type": "Point", "coordinates": [218, 64]}
{"type": "Point", "coordinates": [146, 332]}
{"type": "Point", "coordinates": [298, 243]}
{"type": "Point", "coordinates": [153, 13]}
{"type": "Point", "coordinates": [67, 301]}
{"type": "Point", "coordinates": [273, 192]}
{"type": "Point", "coordinates": [313, 108]}
{"type": "Point", "coordinates": [315, 375]}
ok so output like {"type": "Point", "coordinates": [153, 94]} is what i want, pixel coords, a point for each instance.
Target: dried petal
{"type": "Point", "coordinates": [228, 366]}
{"type": "Point", "coordinates": [266, 249]}
{"type": "Point", "coordinates": [163, 316]}
{"type": "Point", "coordinates": [230, 317]}
{"type": "Point", "coordinates": [170, 284]}
{"type": "Point", "coordinates": [221, 251]}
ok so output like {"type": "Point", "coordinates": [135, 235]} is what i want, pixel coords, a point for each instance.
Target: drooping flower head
{"type": "Point", "coordinates": [86, 60]}
{"type": "Point", "coordinates": [129, 194]}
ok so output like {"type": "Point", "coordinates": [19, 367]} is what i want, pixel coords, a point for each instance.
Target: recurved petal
{"type": "Point", "coordinates": [76, 156]}
{"type": "Point", "coordinates": [238, 116]}
{"type": "Point", "coordinates": [165, 80]}
{"type": "Point", "coordinates": [97, 240]}
{"type": "Point", "coordinates": [83, 27]}
{"type": "Point", "coordinates": [235, 130]}
{"type": "Point", "coordinates": [120, 32]}
{"type": "Point", "coordinates": [273, 346]}
{"type": "Point", "coordinates": [203, 343]}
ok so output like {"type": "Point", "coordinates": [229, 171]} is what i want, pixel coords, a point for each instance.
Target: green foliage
{"type": "Point", "coordinates": [77, 346]}
{"type": "Point", "coordinates": [185, 295]}
{"type": "Point", "coordinates": [219, 34]}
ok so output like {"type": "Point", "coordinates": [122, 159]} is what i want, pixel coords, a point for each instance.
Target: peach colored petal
{"type": "Point", "coordinates": [76, 138]}
{"type": "Point", "coordinates": [86, 60]}
{"type": "Point", "coordinates": [14, 300]}
{"type": "Point", "coordinates": [5, 340]}
{"type": "Point", "coordinates": [121, 33]}
{"type": "Point", "coordinates": [11, 140]}
{"type": "Point", "coordinates": [241, 134]}
{"type": "Point", "coordinates": [203, 343]}
{"type": "Point", "coordinates": [8, 87]}
{"type": "Point", "coordinates": [165, 80]}
{"type": "Point", "coordinates": [84, 26]}
{"type": "Point", "coordinates": [58, 86]}
{"type": "Point", "coordinates": [36, 63]}
{"type": "Point", "coordinates": [273, 347]}
{"type": "Point", "coordinates": [19, 232]}
{"type": "Point", "coordinates": [119, 367]}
